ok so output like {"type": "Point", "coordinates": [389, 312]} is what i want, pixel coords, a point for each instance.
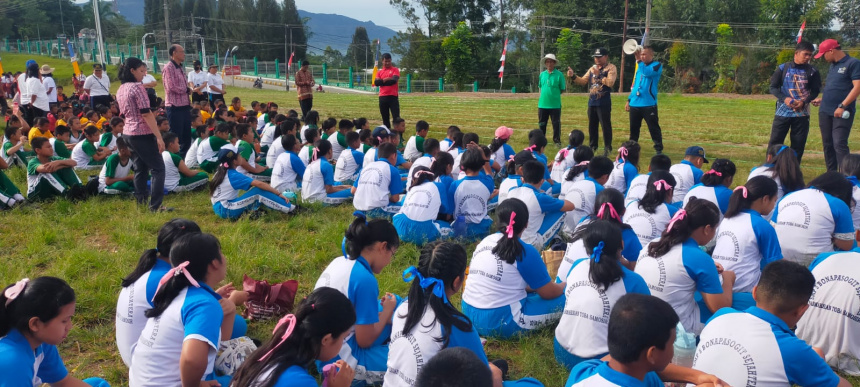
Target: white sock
{"type": "Point", "coordinates": [11, 203]}
{"type": "Point", "coordinates": [18, 197]}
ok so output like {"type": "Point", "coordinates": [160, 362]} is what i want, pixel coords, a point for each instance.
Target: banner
{"type": "Point", "coordinates": [502, 69]}
{"type": "Point", "coordinates": [74, 59]}
{"type": "Point", "coordinates": [800, 33]}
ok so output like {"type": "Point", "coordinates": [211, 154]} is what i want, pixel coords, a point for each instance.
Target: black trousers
{"type": "Point", "coordinates": [797, 129]}
{"type": "Point", "coordinates": [202, 97]}
{"type": "Point", "coordinates": [553, 115]}
{"type": "Point", "coordinates": [649, 114]}
{"type": "Point", "coordinates": [834, 137]}
{"type": "Point", "coordinates": [389, 103]}
{"type": "Point", "coordinates": [600, 115]}
{"type": "Point", "coordinates": [306, 105]}
{"type": "Point", "coordinates": [147, 160]}
{"type": "Point", "coordinates": [179, 118]}
{"type": "Point", "coordinates": [101, 100]}
{"type": "Point", "coordinates": [213, 98]}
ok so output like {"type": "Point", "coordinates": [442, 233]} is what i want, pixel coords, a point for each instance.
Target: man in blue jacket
{"type": "Point", "coordinates": [642, 102]}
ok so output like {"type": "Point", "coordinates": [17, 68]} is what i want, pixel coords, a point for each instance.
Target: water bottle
{"type": "Point", "coordinates": [685, 350]}
{"type": "Point", "coordinates": [329, 372]}
{"type": "Point", "coordinates": [460, 226]}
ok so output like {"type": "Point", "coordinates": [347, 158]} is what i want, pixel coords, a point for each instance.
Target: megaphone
{"type": "Point", "coordinates": [631, 46]}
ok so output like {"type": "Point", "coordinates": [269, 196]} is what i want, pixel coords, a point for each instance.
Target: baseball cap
{"type": "Point", "coordinates": [380, 131]}
{"type": "Point", "coordinates": [504, 132]}
{"type": "Point", "coordinates": [30, 63]}
{"type": "Point", "coordinates": [600, 52]}
{"type": "Point", "coordinates": [696, 151]}
{"type": "Point", "coordinates": [228, 154]}
{"type": "Point", "coordinates": [196, 63]}
{"type": "Point", "coordinates": [825, 46]}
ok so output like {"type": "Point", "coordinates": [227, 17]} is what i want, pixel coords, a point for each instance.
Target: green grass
{"type": "Point", "coordinates": [95, 243]}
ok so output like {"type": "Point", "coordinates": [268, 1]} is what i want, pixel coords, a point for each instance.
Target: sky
{"type": "Point", "coordinates": [380, 12]}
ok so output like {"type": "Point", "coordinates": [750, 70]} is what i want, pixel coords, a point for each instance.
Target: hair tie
{"type": "Point", "coordinates": [680, 215]}
{"type": "Point", "coordinates": [531, 148]}
{"type": "Point", "coordinates": [662, 184]}
{"type": "Point", "coordinates": [314, 306]}
{"type": "Point", "coordinates": [564, 153]}
{"type": "Point", "coordinates": [744, 190]}
{"type": "Point", "coordinates": [597, 252]}
{"type": "Point", "coordinates": [853, 179]}
{"type": "Point", "coordinates": [314, 155]}
{"type": "Point", "coordinates": [612, 212]}
{"type": "Point", "coordinates": [782, 148]}
{"type": "Point", "coordinates": [15, 290]}
{"type": "Point", "coordinates": [343, 248]}
{"type": "Point", "coordinates": [509, 231]}
{"type": "Point", "coordinates": [226, 165]}
{"type": "Point", "coordinates": [622, 154]}
{"type": "Point", "coordinates": [511, 157]}
{"type": "Point", "coordinates": [175, 272]}
{"type": "Point", "coordinates": [379, 139]}
{"type": "Point", "coordinates": [583, 163]}
{"type": "Point", "coordinates": [438, 287]}
{"type": "Point", "coordinates": [360, 214]}
{"type": "Point", "coordinates": [713, 172]}
{"type": "Point", "coordinates": [288, 319]}
{"type": "Point", "coordinates": [422, 172]}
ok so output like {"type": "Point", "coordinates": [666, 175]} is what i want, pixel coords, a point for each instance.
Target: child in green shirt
{"type": "Point", "coordinates": [116, 176]}
{"type": "Point", "coordinates": [49, 176]}
{"type": "Point", "coordinates": [85, 153]}
{"type": "Point", "coordinates": [108, 139]}
{"type": "Point", "coordinates": [60, 142]}
{"type": "Point", "coordinates": [249, 166]}
{"type": "Point", "coordinates": [13, 147]}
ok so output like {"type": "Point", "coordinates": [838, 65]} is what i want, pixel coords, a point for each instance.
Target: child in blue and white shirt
{"type": "Point", "coordinates": [582, 192]}
{"type": "Point", "coordinates": [514, 167]}
{"type": "Point", "coordinates": [431, 150]}
{"type": "Point", "coordinates": [502, 151]}
{"type": "Point", "coordinates": [783, 167]}
{"type": "Point", "coordinates": [350, 161]}
{"type": "Point", "coordinates": [566, 157]}
{"type": "Point", "coordinates": [546, 214]}
{"type": "Point", "coordinates": [425, 202]}
{"type": "Point", "coordinates": [502, 269]}
{"type": "Point", "coordinates": [760, 338]}
{"type": "Point", "coordinates": [650, 215]}
{"type": "Point", "coordinates": [537, 145]}
{"type": "Point", "coordinates": [851, 169]}
{"type": "Point", "coordinates": [288, 170]}
{"type": "Point", "coordinates": [636, 188]}
{"type": "Point", "coordinates": [286, 128]}
{"type": "Point", "coordinates": [318, 183]}
{"type": "Point", "coordinates": [626, 167]}
{"type": "Point", "coordinates": [226, 183]}
{"type": "Point", "coordinates": [688, 173]}
{"type": "Point", "coordinates": [715, 185]}
{"type": "Point", "coordinates": [378, 187]}
{"type": "Point", "coordinates": [472, 196]}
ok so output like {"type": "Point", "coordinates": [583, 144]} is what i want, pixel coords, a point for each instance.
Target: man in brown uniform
{"type": "Point", "coordinates": [305, 87]}
{"type": "Point", "coordinates": [600, 79]}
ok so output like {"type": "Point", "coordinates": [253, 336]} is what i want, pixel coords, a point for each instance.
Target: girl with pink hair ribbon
{"type": "Point", "coordinates": [715, 185]}
{"type": "Point", "coordinates": [626, 167]}
{"type": "Point", "coordinates": [426, 201]}
{"type": "Point", "coordinates": [318, 183]}
{"type": "Point", "coordinates": [650, 215]}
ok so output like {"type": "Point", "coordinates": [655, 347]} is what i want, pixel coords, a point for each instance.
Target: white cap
{"type": "Point", "coordinates": [550, 56]}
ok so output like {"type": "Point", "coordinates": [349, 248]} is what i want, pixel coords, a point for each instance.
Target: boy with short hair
{"type": "Point", "coordinates": [377, 189]}
{"type": "Point", "coordinates": [446, 143]}
{"type": "Point", "coordinates": [207, 151]}
{"type": "Point", "coordinates": [60, 142]}
{"type": "Point", "coordinates": [366, 140]}
{"type": "Point", "coordinates": [177, 176]}
{"type": "Point", "coordinates": [398, 127]}
{"type": "Point", "coordinates": [546, 213]}
{"type": "Point", "coordinates": [349, 165]}
{"type": "Point", "coordinates": [41, 128]}
{"type": "Point", "coordinates": [340, 143]}
{"type": "Point", "coordinates": [688, 173]}
{"type": "Point", "coordinates": [13, 147]}
{"type": "Point", "coordinates": [163, 124]}
{"type": "Point", "coordinates": [86, 154]}
{"type": "Point", "coordinates": [10, 196]}
{"type": "Point", "coordinates": [455, 367]}
{"type": "Point", "coordinates": [116, 176]}
{"type": "Point", "coordinates": [49, 176]}
{"type": "Point", "coordinates": [637, 187]}
{"type": "Point", "coordinates": [415, 145]}
{"type": "Point", "coordinates": [472, 196]}
{"type": "Point", "coordinates": [766, 352]}
{"type": "Point", "coordinates": [191, 156]}
{"type": "Point", "coordinates": [108, 139]}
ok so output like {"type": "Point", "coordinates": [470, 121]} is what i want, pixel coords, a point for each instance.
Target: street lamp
{"type": "Point", "coordinates": [143, 44]}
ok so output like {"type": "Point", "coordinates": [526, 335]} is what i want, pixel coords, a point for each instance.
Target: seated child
{"type": "Point", "coordinates": [340, 143]}
{"type": "Point", "coordinates": [116, 176]}
{"type": "Point", "coordinates": [378, 186]}
{"type": "Point", "coordinates": [446, 142]}
{"type": "Point", "coordinates": [537, 145]}
{"type": "Point", "coordinates": [640, 339]}
{"type": "Point", "coordinates": [850, 167]}
{"type": "Point", "coordinates": [289, 170]}
{"type": "Point", "coordinates": [311, 121]}
{"type": "Point", "coordinates": [366, 140]}
{"type": "Point", "coordinates": [457, 146]}
{"type": "Point", "coordinates": [10, 196]}
{"type": "Point", "coordinates": [226, 183]}
{"type": "Point", "coordinates": [108, 139]}
{"type": "Point", "coordinates": [49, 176]}
{"type": "Point", "coordinates": [13, 147]}
{"type": "Point", "coordinates": [650, 215]}
{"type": "Point", "coordinates": [60, 142]}
{"type": "Point", "coordinates": [715, 185]}
{"type": "Point", "coordinates": [514, 170]}
{"type": "Point", "coordinates": [245, 135]}
{"type": "Point", "coordinates": [581, 193]}
{"type": "Point", "coordinates": [177, 176]}
{"type": "Point", "coordinates": [454, 367]}
{"type": "Point", "coordinates": [676, 269]}
{"type": "Point", "coordinates": [502, 151]}
{"type": "Point", "coordinates": [288, 128]}
{"type": "Point", "coordinates": [431, 149]}
{"type": "Point", "coordinates": [191, 156]}
{"type": "Point", "coordinates": [86, 154]}
{"type": "Point", "coordinates": [546, 213]}
{"type": "Point", "coordinates": [784, 168]}
{"type": "Point", "coordinates": [426, 201]}
{"type": "Point", "coordinates": [626, 167]}
{"type": "Point", "coordinates": [502, 271]}
{"type": "Point", "coordinates": [318, 183]}
{"type": "Point", "coordinates": [415, 145]}
{"type": "Point", "coordinates": [688, 173]}
{"type": "Point", "coordinates": [581, 332]}
{"type": "Point", "coordinates": [307, 150]}
{"type": "Point", "coordinates": [329, 128]}
{"type": "Point", "coordinates": [566, 158]}
{"type": "Point", "coordinates": [207, 151]}
{"type": "Point", "coordinates": [778, 356]}
{"type": "Point", "coordinates": [368, 248]}
{"type": "Point", "coordinates": [41, 128]}
{"type": "Point", "coordinates": [350, 161]}
{"type": "Point", "coordinates": [471, 140]}
{"type": "Point", "coordinates": [472, 196]}
{"type": "Point", "coordinates": [637, 187]}
{"type": "Point", "coordinates": [35, 317]}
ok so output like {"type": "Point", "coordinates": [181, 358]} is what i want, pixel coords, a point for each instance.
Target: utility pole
{"type": "Point", "coordinates": [286, 60]}
{"type": "Point", "coordinates": [623, 39]}
{"type": "Point", "coordinates": [502, 16]}
{"type": "Point", "coordinates": [62, 22]}
{"type": "Point", "coordinates": [542, 44]}
{"type": "Point", "coordinates": [166, 26]}
{"type": "Point", "coordinates": [99, 41]}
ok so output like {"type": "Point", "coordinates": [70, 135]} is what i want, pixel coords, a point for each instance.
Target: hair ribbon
{"type": "Point", "coordinates": [288, 319]}
{"type": "Point", "coordinates": [583, 163]}
{"type": "Point", "coordinates": [597, 252]}
{"type": "Point", "coordinates": [714, 172]}
{"type": "Point", "coordinates": [314, 155]}
{"type": "Point", "coordinates": [622, 154]}
{"type": "Point", "coordinates": [531, 148]}
{"type": "Point", "coordinates": [744, 190]}
{"type": "Point", "coordinates": [662, 184]}
{"type": "Point", "coordinates": [15, 290]}
{"type": "Point", "coordinates": [438, 287]}
{"type": "Point", "coordinates": [175, 272]}
{"type": "Point", "coordinates": [680, 215]}
{"type": "Point", "coordinates": [509, 231]}
{"type": "Point", "coordinates": [612, 212]}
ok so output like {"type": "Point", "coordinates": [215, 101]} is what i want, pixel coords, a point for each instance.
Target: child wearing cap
{"type": "Point", "coordinates": [688, 173]}
{"type": "Point", "coordinates": [378, 186]}
{"type": "Point", "coordinates": [415, 145]}
{"type": "Point", "coordinates": [502, 151]}
{"type": "Point", "coordinates": [226, 183]}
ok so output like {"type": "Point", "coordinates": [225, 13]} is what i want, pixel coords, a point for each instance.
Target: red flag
{"type": "Point", "coordinates": [800, 33]}
{"type": "Point", "coordinates": [502, 69]}
{"type": "Point", "coordinates": [290, 62]}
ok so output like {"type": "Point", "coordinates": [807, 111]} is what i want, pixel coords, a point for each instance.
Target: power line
{"type": "Point", "coordinates": [679, 23]}
{"type": "Point", "coordinates": [671, 40]}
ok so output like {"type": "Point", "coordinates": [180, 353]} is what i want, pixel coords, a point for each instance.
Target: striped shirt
{"type": "Point", "coordinates": [175, 85]}
{"type": "Point", "coordinates": [133, 104]}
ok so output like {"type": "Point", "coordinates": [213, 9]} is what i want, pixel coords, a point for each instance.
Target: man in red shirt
{"type": "Point", "coordinates": [176, 97]}
{"type": "Point", "coordinates": [386, 79]}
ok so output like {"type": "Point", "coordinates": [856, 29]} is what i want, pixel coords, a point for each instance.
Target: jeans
{"type": "Point", "coordinates": [307, 105]}
{"type": "Point", "coordinates": [389, 103]}
{"type": "Point", "coordinates": [797, 128]}
{"type": "Point", "coordinates": [553, 115]}
{"type": "Point", "coordinates": [179, 118]}
{"type": "Point", "coordinates": [834, 137]}
{"type": "Point", "coordinates": [649, 114]}
{"type": "Point", "coordinates": [147, 160]}
{"type": "Point", "coordinates": [600, 115]}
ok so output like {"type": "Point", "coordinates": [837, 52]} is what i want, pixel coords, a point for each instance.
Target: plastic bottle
{"type": "Point", "coordinates": [685, 350]}
{"type": "Point", "coordinates": [460, 226]}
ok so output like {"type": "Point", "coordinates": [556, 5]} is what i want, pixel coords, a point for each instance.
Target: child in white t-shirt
{"type": "Point", "coordinates": [415, 145]}
{"type": "Point", "coordinates": [350, 161]}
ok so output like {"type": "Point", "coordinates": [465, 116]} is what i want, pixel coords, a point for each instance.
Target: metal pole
{"type": "Point", "coordinates": [647, 23]}
{"type": "Point", "coordinates": [143, 45]}
{"type": "Point", "coordinates": [62, 21]}
{"type": "Point", "coordinates": [166, 25]}
{"type": "Point", "coordinates": [286, 60]}
{"type": "Point", "coordinates": [542, 43]}
{"type": "Point", "coordinates": [292, 50]}
{"type": "Point", "coordinates": [99, 41]}
{"type": "Point", "coordinates": [623, 39]}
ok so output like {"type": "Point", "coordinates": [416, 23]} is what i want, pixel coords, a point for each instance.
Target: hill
{"type": "Point", "coordinates": [336, 30]}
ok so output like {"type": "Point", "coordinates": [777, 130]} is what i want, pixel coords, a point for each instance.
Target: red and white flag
{"type": "Point", "coordinates": [800, 33]}
{"type": "Point", "coordinates": [290, 62]}
{"type": "Point", "coordinates": [502, 69]}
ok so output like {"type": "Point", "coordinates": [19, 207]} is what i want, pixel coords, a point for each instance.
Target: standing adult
{"type": "Point", "coordinates": [215, 86]}
{"type": "Point", "coordinates": [149, 84]}
{"type": "Point", "coordinates": [24, 93]}
{"type": "Point", "coordinates": [97, 86]}
{"type": "Point", "coordinates": [838, 98]}
{"type": "Point", "coordinates": [795, 85]}
{"type": "Point", "coordinates": [305, 87]}
{"type": "Point", "coordinates": [552, 83]}
{"type": "Point", "coordinates": [197, 83]}
{"type": "Point", "coordinates": [47, 73]}
{"type": "Point", "coordinates": [386, 79]}
{"type": "Point", "coordinates": [642, 102]}
{"type": "Point", "coordinates": [176, 92]}
{"type": "Point", "coordinates": [600, 80]}
{"type": "Point", "coordinates": [39, 106]}
{"type": "Point", "coordinates": [141, 134]}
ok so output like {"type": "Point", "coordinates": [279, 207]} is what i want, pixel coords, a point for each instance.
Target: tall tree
{"type": "Point", "coordinates": [297, 36]}
{"type": "Point", "coordinates": [359, 52]}
{"type": "Point", "coordinates": [848, 12]}
{"type": "Point", "coordinates": [459, 48]}
{"type": "Point", "coordinates": [333, 57]}
{"type": "Point", "coordinates": [271, 37]}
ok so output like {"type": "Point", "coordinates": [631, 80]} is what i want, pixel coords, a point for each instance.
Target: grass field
{"type": "Point", "coordinates": [95, 243]}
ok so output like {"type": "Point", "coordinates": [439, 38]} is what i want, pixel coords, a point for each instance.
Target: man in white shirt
{"type": "Point", "coordinates": [98, 87]}
{"type": "Point", "coordinates": [149, 84]}
{"type": "Point", "coordinates": [49, 84]}
{"type": "Point", "coordinates": [215, 86]}
{"type": "Point", "coordinates": [198, 82]}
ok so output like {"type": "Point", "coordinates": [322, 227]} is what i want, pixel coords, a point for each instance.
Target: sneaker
{"type": "Point", "coordinates": [164, 209]}
{"type": "Point", "coordinates": [606, 152]}
{"type": "Point", "coordinates": [78, 193]}
{"type": "Point", "coordinates": [502, 365]}
{"type": "Point", "coordinates": [93, 187]}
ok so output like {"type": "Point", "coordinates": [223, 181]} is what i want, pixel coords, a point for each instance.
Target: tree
{"type": "Point", "coordinates": [568, 47]}
{"type": "Point", "coordinates": [359, 53]}
{"type": "Point", "coordinates": [298, 35]}
{"type": "Point", "coordinates": [269, 12]}
{"type": "Point", "coordinates": [724, 64]}
{"type": "Point", "coordinates": [333, 57]}
{"type": "Point", "coordinates": [459, 49]}
{"type": "Point", "coordinates": [848, 12]}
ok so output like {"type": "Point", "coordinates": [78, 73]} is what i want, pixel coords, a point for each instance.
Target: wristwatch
{"type": "Point", "coordinates": [841, 106]}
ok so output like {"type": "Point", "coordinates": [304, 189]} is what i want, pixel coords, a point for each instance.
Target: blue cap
{"type": "Point", "coordinates": [381, 131]}
{"type": "Point", "coordinates": [696, 151]}
{"type": "Point", "coordinates": [228, 154]}
{"type": "Point", "coordinates": [30, 62]}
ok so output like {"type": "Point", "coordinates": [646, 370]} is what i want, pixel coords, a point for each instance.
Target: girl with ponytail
{"type": "Point", "coordinates": [139, 286]}
{"type": "Point", "coordinates": [851, 169]}
{"type": "Point", "coordinates": [441, 167]}
{"type": "Point", "coordinates": [514, 168]}
{"type": "Point", "coordinates": [315, 331]}
{"type": "Point", "coordinates": [502, 269]}
{"type": "Point", "coordinates": [783, 166]}
{"type": "Point", "coordinates": [431, 149]}
{"type": "Point", "coordinates": [368, 247]}
{"type": "Point", "coordinates": [626, 166]}
{"type": "Point", "coordinates": [566, 157]}
{"type": "Point", "coordinates": [675, 268]}
{"type": "Point", "coordinates": [582, 193]}
{"type": "Point", "coordinates": [499, 146]}
{"type": "Point", "coordinates": [650, 215]}
{"type": "Point", "coordinates": [715, 185]}
{"type": "Point", "coordinates": [746, 242]}
{"type": "Point", "coordinates": [318, 183]}
{"type": "Point", "coordinates": [35, 317]}
{"type": "Point", "coordinates": [537, 146]}
{"type": "Point", "coordinates": [226, 183]}
{"type": "Point", "coordinates": [578, 171]}
{"type": "Point", "coordinates": [426, 201]}
{"type": "Point", "coordinates": [188, 318]}
{"type": "Point", "coordinates": [595, 282]}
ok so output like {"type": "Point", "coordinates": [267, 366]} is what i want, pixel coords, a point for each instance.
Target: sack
{"type": "Point", "coordinates": [267, 301]}
{"type": "Point", "coordinates": [552, 259]}
{"type": "Point", "coordinates": [232, 353]}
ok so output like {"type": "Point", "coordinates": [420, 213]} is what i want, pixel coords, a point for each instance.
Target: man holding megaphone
{"type": "Point", "coordinates": [600, 79]}
{"type": "Point", "coordinates": [642, 102]}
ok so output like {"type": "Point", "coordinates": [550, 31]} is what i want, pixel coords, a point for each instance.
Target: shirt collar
{"type": "Point", "coordinates": [751, 212]}
{"type": "Point", "coordinates": [688, 163]}
{"type": "Point", "coordinates": [768, 165]}
{"type": "Point", "coordinates": [177, 65]}
{"type": "Point", "coordinates": [364, 263]}
{"type": "Point", "coordinates": [844, 58]}
{"type": "Point", "coordinates": [690, 242]}
{"type": "Point", "coordinates": [769, 318]}
{"type": "Point", "coordinates": [616, 377]}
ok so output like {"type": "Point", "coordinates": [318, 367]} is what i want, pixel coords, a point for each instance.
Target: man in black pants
{"type": "Point", "coordinates": [795, 85]}
{"type": "Point", "coordinates": [386, 80]}
{"type": "Point", "coordinates": [600, 79]}
{"type": "Point", "coordinates": [642, 102]}
{"type": "Point", "coordinates": [837, 102]}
